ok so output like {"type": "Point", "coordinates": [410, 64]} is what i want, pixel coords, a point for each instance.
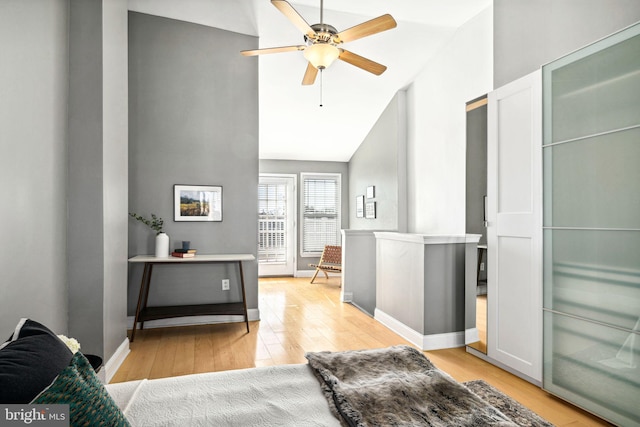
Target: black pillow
{"type": "Point", "coordinates": [29, 362]}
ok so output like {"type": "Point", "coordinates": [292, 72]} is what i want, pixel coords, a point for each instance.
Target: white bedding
{"type": "Point", "coordinates": [284, 395]}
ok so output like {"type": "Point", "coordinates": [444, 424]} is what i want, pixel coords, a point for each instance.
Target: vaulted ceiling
{"type": "Point", "coordinates": [293, 125]}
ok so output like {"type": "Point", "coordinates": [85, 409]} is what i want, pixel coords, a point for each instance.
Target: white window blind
{"type": "Point", "coordinates": [321, 212]}
{"type": "Point", "coordinates": [272, 219]}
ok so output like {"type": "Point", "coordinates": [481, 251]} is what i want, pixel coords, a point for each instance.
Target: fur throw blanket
{"type": "Point", "coordinates": [397, 386]}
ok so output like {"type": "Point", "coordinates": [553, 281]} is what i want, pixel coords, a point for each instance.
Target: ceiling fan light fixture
{"type": "Point", "coordinates": [321, 55]}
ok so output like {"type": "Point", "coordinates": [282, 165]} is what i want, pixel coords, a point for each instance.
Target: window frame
{"type": "Point", "coordinates": [319, 175]}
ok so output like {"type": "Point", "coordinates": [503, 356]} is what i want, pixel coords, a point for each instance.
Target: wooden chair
{"type": "Point", "coordinates": [330, 261]}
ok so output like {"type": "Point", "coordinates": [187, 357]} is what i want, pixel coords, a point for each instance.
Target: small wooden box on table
{"type": "Point", "coordinates": [144, 313]}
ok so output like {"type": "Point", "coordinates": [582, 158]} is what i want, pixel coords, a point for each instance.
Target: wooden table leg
{"type": "Point", "coordinates": [146, 293]}
{"type": "Point", "coordinates": [143, 282]}
{"type": "Point", "coordinates": [244, 298]}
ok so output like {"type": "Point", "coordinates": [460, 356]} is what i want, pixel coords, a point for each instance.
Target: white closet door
{"type": "Point", "coordinates": [514, 202]}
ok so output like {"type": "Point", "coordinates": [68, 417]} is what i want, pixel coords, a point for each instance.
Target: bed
{"type": "Point", "coordinates": [278, 395]}
{"type": "Point", "coordinates": [395, 386]}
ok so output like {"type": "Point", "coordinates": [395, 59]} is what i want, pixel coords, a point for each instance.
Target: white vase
{"type": "Point", "coordinates": [162, 245]}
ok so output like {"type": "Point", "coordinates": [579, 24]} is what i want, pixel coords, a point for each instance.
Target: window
{"type": "Point", "coordinates": [321, 212]}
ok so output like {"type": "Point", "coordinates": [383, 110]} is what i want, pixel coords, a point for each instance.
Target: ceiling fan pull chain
{"type": "Point", "coordinates": [321, 88]}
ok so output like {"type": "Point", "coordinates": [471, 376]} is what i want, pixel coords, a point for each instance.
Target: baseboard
{"type": "Point", "coordinates": [399, 328]}
{"type": "Point", "coordinates": [114, 362]}
{"type": "Point", "coordinates": [440, 341]}
{"type": "Point", "coordinates": [304, 273]}
{"type": "Point", "coordinates": [310, 273]}
{"type": "Point", "coordinates": [347, 297]}
{"type": "Point", "coordinates": [424, 342]}
{"type": "Point", "coordinates": [253, 313]}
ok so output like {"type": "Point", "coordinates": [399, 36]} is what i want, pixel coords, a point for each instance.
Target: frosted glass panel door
{"type": "Point", "coordinates": [591, 156]}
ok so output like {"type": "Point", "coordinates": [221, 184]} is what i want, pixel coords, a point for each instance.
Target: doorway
{"type": "Point", "coordinates": [276, 225]}
{"type": "Point", "coordinates": [476, 211]}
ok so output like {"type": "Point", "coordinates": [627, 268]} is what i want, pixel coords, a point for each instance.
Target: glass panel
{"type": "Point", "coordinates": [597, 93]}
{"type": "Point", "coordinates": [593, 274]}
{"type": "Point", "coordinates": [591, 184]}
{"type": "Point", "coordinates": [272, 221]}
{"type": "Point", "coordinates": [597, 367]}
{"type": "Point", "coordinates": [594, 182]}
{"type": "Point", "coordinates": [321, 214]}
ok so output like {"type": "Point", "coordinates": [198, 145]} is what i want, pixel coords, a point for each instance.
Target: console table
{"type": "Point", "coordinates": [153, 313]}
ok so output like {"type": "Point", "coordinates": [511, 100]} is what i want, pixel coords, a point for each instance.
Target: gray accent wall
{"type": "Point", "coordinates": [63, 136]}
{"type": "Point", "coordinates": [359, 269]}
{"type": "Point", "coordinates": [380, 161]}
{"type": "Point", "coordinates": [193, 120]}
{"type": "Point", "coordinates": [33, 164]}
{"type": "Point", "coordinates": [85, 180]}
{"type": "Point", "coordinates": [297, 167]}
{"type": "Point", "coordinates": [97, 174]}
{"type": "Point", "coordinates": [529, 34]}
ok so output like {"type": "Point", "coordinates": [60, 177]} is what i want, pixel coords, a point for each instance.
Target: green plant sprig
{"type": "Point", "coordinates": [155, 223]}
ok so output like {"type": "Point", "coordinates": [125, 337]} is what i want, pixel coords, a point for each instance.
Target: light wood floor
{"type": "Point", "coordinates": [297, 317]}
{"type": "Point", "coordinates": [481, 324]}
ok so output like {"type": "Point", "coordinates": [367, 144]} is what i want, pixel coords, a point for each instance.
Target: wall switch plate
{"type": "Point", "coordinates": [225, 284]}
{"type": "Point", "coordinates": [482, 266]}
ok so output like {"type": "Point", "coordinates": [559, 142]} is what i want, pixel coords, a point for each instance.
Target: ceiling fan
{"type": "Point", "coordinates": [322, 42]}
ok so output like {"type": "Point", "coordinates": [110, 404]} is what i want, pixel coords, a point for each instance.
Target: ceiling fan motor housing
{"type": "Point", "coordinates": [324, 34]}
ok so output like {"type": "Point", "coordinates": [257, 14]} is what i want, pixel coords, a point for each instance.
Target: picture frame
{"type": "Point", "coordinates": [360, 206]}
{"type": "Point", "coordinates": [197, 202]}
{"type": "Point", "coordinates": [371, 192]}
{"type": "Point", "coordinates": [371, 210]}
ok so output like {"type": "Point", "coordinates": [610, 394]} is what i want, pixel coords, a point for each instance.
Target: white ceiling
{"type": "Point", "coordinates": [292, 124]}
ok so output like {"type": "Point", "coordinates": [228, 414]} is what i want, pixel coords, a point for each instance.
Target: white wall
{"type": "Point", "coordinates": [529, 34]}
{"type": "Point", "coordinates": [231, 15]}
{"type": "Point", "coordinates": [463, 70]}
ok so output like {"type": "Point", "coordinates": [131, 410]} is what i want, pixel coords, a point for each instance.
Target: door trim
{"type": "Point", "coordinates": [294, 219]}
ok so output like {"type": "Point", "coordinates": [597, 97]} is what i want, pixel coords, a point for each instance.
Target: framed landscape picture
{"type": "Point", "coordinates": [197, 202]}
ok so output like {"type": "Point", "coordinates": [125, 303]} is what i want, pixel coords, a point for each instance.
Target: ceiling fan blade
{"type": "Point", "coordinates": [272, 50]}
{"type": "Point", "coordinates": [293, 16]}
{"type": "Point", "coordinates": [376, 25]}
{"type": "Point", "coordinates": [362, 62]}
{"type": "Point", "coordinates": [310, 75]}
